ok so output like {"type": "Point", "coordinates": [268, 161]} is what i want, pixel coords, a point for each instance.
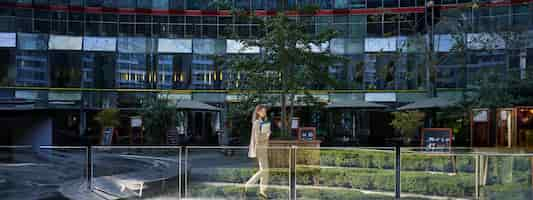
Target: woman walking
{"type": "Point", "coordinates": [259, 148]}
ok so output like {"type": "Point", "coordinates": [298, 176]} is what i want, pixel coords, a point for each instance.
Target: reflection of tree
{"type": "Point", "coordinates": [288, 63]}
{"type": "Point", "coordinates": [359, 74]}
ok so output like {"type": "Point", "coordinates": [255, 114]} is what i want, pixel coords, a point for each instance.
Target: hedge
{"type": "Point", "coordinates": [460, 185]}
{"type": "Point", "coordinates": [386, 160]}
{"type": "Point", "coordinates": [410, 161]}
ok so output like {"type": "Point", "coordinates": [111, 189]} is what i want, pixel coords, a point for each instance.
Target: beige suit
{"type": "Point", "coordinates": [259, 148]}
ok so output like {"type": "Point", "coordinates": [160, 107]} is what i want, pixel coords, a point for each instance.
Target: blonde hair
{"type": "Point", "coordinates": [255, 115]}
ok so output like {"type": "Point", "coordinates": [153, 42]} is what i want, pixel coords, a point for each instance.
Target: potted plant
{"type": "Point", "coordinates": [158, 119]}
{"type": "Point", "coordinates": [407, 123]}
{"type": "Point", "coordinates": [108, 120]}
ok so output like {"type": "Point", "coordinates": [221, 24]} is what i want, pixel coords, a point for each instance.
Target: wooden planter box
{"type": "Point", "coordinates": [279, 153]}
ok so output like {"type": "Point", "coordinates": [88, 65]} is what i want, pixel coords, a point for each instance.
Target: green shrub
{"type": "Point", "coordinates": [459, 185]}
{"type": "Point", "coordinates": [386, 160]}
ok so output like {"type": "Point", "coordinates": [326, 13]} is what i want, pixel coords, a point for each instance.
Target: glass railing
{"type": "Point", "coordinates": [41, 173]}
{"type": "Point", "coordinates": [345, 173]}
{"type": "Point", "coordinates": [174, 172]}
{"type": "Point", "coordinates": [134, 172]}
{"type": "Point", "coordinates": [229, 173]}
{"type": "Point", "coordinates": [505, 174]}
{"type": "Point", "coordinates": [438, 173]}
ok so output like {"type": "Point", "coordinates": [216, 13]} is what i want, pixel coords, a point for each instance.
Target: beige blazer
{"type": "Point", "coordinates": [256, 136]}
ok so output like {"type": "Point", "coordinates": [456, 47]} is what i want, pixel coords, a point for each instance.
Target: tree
{"type": "Point", "coordinates": [292, 60]}
{"type": "Point", "coordinates": [407, 122]}
{"type": "Point", "coordinates": [107, 118]}
{"type": "Point", "coordinates": [158, 116]}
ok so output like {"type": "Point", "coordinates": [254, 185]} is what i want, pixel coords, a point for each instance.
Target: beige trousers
{"type": "Point", "coordinates": [262, 173]}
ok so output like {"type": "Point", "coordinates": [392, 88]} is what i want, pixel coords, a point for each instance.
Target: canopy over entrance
{"type": "Point", "coordinates": [431, 103]}
{"type": "Point", "coordinates": [195, 105]}
{"type": "Point", "coordinates": [355, 105]}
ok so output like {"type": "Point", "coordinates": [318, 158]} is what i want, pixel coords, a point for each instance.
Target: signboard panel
{"type": "Point", "coordinates": [436, 138]}
{"type": "Point", "coordinates": [172, 136]}
{"type": "Point", "coordinates": [307, 134]}
{"type": "Point", "coordinates": [108, 136]}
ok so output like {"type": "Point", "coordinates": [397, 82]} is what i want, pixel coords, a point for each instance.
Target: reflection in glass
{"type": "Point", "coordinates": [32, 68]}
{"type": "Point", "coordinates": [131, 71]}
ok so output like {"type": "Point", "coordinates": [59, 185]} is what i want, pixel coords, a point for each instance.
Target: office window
{"type": "Point", "coordinates": [131, 70]}
{"type": "Point", "coordinates": [32, 68]}
{"type": "Point", "coordinates": [374, 25]}
{"type": "Point", "coordinates": [143, 25]}
{"type": "Point", "coordinates": [390, 3]}
{"type": "Point", "coordinates": [258, 4]}
{"type": "Point", "coordinates": [28, 41]}
{"type": "Point", "coordinates": [24, 21]}
{"type": "Point", "coordinates": [65, 69]}
{"type": "Point", "coordinates": [58, 22]}
{"type": "Point", "coordinates": [408, 3]}
{"type": "Point", "coordinates": [390, 25]}
{"type": "Point", "coordinates": [126, 3]}
{"type": "Point", "coordinates": [326, 4]}
{"type": "Point", "coordinates": [6, 66]}
{"type": "Point", "coordinates": [203, 73]}
{"type": "Point", "coordinates": [374, 3]}
{"type": "Point", "coordinates": [177, 4]}
{"type": "Point", "coordinates": [197, 4]}
{"type": "Point", "coordinates": [7, 20]}
{"type": "Point", "coordinates": [127, 24]}
{"type": "Point", "coordinates": [160, 4]}
{"type": "Point", "coordinates": [242, 4]}
{"type": "Point", "coordinates": [357, 30]}
{"type": "Point", "coordinates": [357, 3]}
{"type": "Point", "coordinates": [99, 70]}
{"type": "Point", "coordinates": [173, 71]}
{"type": "Point", "coordinates": [341, 4]}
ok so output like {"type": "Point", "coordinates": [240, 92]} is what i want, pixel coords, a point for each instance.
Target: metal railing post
{"type": "Point", "coordinates": [179, 172]}
{"type": "Point", "coordinates": [186, 172]}
{"type": "Point", "coordinates": [89, 168]}
{"type": "Point", "coordinates": [397, 191]}
{"type": "Point", "coordinates": [292, 172]}
{"type": "Point", "coordinates": [476, 175]}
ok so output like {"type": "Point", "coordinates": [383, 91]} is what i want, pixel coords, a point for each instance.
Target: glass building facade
{"type": "Point", "coordinates": [171, 44]}
{"type": "Point", "coordinates": [103, 53]}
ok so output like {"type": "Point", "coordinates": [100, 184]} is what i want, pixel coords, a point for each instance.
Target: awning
{"type": "Point", "coordinates": [356, 104]}
{"type": "Point", "coordinates": [436, 102]}
{"type": "Point", "coordinates": [195, 105]}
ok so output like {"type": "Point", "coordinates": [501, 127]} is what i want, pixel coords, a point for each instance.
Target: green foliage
{"type": "Point", "coordinates": [407, 122]}
{"type": "Point", "coordinates": [287, 63]}
{"type": "Point", "coordinates": [108, 117]}
{"type": "Point", "coordinates": [459, 185]}
{"type": "Point", "coordinates": [515, 191]}
{"type": "Point", "coordinates": [158, 116]}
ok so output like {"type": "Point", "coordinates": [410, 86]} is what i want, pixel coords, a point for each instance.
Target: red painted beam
{"type": "Point", "coordinates": [324, 12]}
